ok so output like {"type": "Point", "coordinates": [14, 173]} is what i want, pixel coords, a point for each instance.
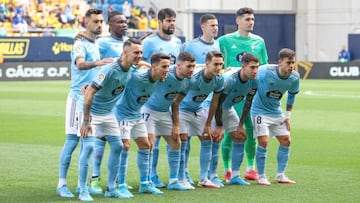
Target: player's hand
{"type": "Point", "coordinates": [79, 36]}
{"type": "Point", "coordinates": [241, 132]}
{"type": "Point", "coordinates": [83, 88]}
{"type": "Point", "coordinates": [145, 36]}
{"type": "Point", "coordinates": [287, 123]}
{"type": "Point", "coordinates": [143, 64]}
{"type": "Point", "coordinates": [103, 61]}
{"type": "Point", "coordinates": [218, 133]}
{"type": "Point", "coordinates": [208, 132]}
{"type": "Point", "coordinates": [85, 129]}
{"type": "Point", "coordinates": [175, 133]}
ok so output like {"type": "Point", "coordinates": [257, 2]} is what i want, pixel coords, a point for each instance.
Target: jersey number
{"type": "Point", "coordinates": [145, 116]}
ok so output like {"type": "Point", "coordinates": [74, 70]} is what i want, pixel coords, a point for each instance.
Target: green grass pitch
{"type": "Point", "coordinates": [325, 152]}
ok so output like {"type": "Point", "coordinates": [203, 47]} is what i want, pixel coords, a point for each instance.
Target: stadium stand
{"type": "Point", "coordinates": [62, 17]}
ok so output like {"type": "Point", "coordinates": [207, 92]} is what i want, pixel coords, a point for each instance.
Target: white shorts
{"type": "Point", "coordinates": [132, 129]}
{"type": "Point", "coordinates": [270, 126]}
{"type": "Point", "coordinates": [230, 120]}
{"type": "Point", "coordinates": [71, 116]}
{"type": "Point", "coordinates": [193, 123]}
{"type": "Point", "coordinates": [102, 125]}
{"type": "Point", "coordinates": [158, 123]}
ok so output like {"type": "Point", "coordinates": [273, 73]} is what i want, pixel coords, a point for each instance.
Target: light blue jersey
{"type": "Point", "coordinates": [271, 88]}
{"type": "Point", "coordinates": [199, 89]}
{"type": "Point", "coordinates": [89, 50]}
{"type": "Point", "coordinates": [155, 44]}
{"type": "Point", "coordinates": [110, 83]}
{"type": "Point", "coordinates": [162, 97]}
{"type": "Point", "coordinates": [235, 89]}
{"type": "Point", "coordinates": [137, 91]}
{"type": "Point", "coordinates": [110, 47]}
{"type": "Point", "coordinates": [199, 48]}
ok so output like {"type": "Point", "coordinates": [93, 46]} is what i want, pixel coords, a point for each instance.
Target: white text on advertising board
{"type": "Point", "coordinates": [36, 72]}
{"type": "Point", "coordinates": [345, 71]}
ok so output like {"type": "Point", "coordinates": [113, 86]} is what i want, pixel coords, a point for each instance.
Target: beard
{"type": "Point", "coordinates": [168, 31]}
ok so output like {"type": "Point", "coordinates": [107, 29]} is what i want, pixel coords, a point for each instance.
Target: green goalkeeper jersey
{"type": "Point", "coordinates": [233, 46]}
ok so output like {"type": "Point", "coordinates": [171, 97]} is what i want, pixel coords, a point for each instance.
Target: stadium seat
{"type": "Point", "coordinates": [118, 7]}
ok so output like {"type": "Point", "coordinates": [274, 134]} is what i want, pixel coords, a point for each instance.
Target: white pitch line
{"type": "Point", "coordinates": [311, 93]}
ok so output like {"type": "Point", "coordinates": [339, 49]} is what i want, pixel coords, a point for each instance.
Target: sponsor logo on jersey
{"type": "Point", "coordinates": [171, 95]}
{"type": "Point", "coordinates": [143, 99]}
{"type": "Point", "coordinates": [118, 90]}
{"type": "Point", "coordinates": [275, 94]}
{"type": "Point", "coordinates": [200, 98]}
{"type": "Point", "coordinates": [238, 99]}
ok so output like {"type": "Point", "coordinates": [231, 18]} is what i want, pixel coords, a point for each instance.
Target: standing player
{"type": "Point", "coordinates": [156, 112]}
{"type": "Point", "coordinates": [267, 116]}
{"type": "Point", "coordinates": [112, 46]}
{"type": "Point", "coordinates": [109, 47]}
{"type": "Point", "coordinates": [233, 46]}
{"type": "Point", "coordinates": [84, 57]}
{"type": "Point", "coordinates": [199, 47]}
{"type": "Point", "coordinates": [138, 89]}
{"type": "Point", "coordinates": [195, 119]}
{"type": "Point", "coordinates": [163, 41]}
{"type": "Point", "coordinates": [239, 84]}
{"type": "Point", "coordinates": [100, 98]}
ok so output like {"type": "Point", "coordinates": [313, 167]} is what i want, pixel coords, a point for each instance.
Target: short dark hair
{"type": "Point", "coordinates": [204, 18]}
{"type": "Point", "coordinates": [112, 14]}
{"type": "Point", "coordinates": [186, 56]}
{"type": "Point", "coordinates": [243, 11]}
{"type": "Point", "coordinates": [212, 54]}
{"type": "Point", "coordinates": [247, 58]}
{"type": "Point", "coordinates": [92, 11]}
{"type": "Point", "coordinates": [131, 41]}
{"type": "Point", "coordinates": [286, 53]}
{"type": "Point", "coordinates": [157, 57]}
{"type": "Point", "coordinates": [166, 12]}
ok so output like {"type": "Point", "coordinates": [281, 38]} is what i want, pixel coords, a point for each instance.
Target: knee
{"type": "Point", "coordinates": [126, 146]}
{"type": "Point", "coordinates": [263, 143]}
{"type": "Point", "coordinates": [285, 141]}
{"type": "Point", "coordinates": [88, 147]}
{"type": "Point", "coordinates": [144, 145]}
{"type": "Point", "coordinates": [175, 145]}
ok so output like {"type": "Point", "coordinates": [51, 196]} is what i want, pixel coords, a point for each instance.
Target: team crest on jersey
{"type": "Point", "coordinates": [225, 84]}
{"type": "Point", "coordinates": [172, 59]}
{"type": "Point", "coordinates": [100, 78]}
{"type": "Point", "coordinates": [186, 84]}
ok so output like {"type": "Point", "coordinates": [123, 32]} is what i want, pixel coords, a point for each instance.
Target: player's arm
{"type": "Point", "coordinates": [245, 112]}
{"type": "Point", "coordinates": [247, 107]}
{"type": "Point", "coordinates": [289, 106]}
{"type": "Point", "coordinates": [175, 114]}
{"type": "Point", "coordinates": [86, 65]}
{"type": "Point", "coordinates": [219, 130]}
{"type": "Point", "coordinates": [88, 99]}
{"type": "Point", "coordinates": [212, 109]}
